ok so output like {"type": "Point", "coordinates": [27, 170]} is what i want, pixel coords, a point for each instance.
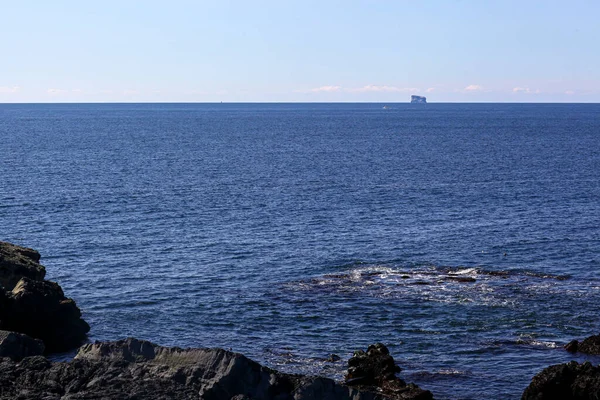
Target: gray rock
{"type": "Point", "coordinates": [136, 369]}
{"type": "Point", "coordinates": [18, 346]}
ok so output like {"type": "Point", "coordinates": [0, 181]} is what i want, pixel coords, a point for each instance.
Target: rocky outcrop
{"type": "Point", "coordinates": [41, 310]}
{"type": "Point", "coordinates": [137, 369]}
{"type": "Point", "coordinates": [418, 99]}
{"type": "Point", "coordinates": [590, 345]}
{"type": "Point", "coordinates": [132, 368]}
{"type": "Point", "coordinates": [17, 262]}
{"type": "Point", "coordinates": [375, 371]}
{"type": "Point", "coordinates": [35, 307]}
{"type": "Point", "coordinates": [572, 381]}
{"type": "Point", "coordinates": [18, 346]}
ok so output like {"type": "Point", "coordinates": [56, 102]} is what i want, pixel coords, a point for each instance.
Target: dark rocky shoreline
{"type": "Point", "coordinates": [37, 319]}
{"type": "Point", "coordinates": [135, 369]}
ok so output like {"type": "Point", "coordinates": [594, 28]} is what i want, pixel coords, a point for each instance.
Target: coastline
{"type": "Point", "coordinates": [35, 313]}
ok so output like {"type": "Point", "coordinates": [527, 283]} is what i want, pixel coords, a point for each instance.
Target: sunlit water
{"type": "Point", "coordinates": [464, 236]}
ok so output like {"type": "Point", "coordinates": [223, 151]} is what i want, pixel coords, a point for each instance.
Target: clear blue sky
{"type": "Point", "coordinates": [263, 50]}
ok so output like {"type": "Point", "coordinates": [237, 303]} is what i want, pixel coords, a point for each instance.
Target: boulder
{"type": "Point", "coordinates": [590, 345]}
{"type": "Point", "coordinates": [18, 346]}
{"type": "Point", "coordinates": [375, 371]}
{"type": "Point", "coordinates": [132, 368]}
{"type": "Point", "coordinates": [17, 262]}
{"type": "Point", "coordinates": [36, 307]}
{"type": "Point", "coordinates": [571, 381]}
{"type": "Point", "coordinates": [41, 310]}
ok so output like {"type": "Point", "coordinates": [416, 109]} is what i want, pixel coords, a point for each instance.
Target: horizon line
{"type": "Point", "coordinates": [295, 102]}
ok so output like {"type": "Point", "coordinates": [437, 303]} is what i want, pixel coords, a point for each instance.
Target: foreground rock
{"type": "Point", "coordinates": [590, 345]}
{"type": "Point", "coordinates": [136, 369]}
{"type": "Point", "coordinates": [375, 371]}
{"type": "Point", "coordinates": [572, 381]}
{"type": "Point", "coordinates": [18, 346]}
{"type": "Point", "coordinates": [35, 307]}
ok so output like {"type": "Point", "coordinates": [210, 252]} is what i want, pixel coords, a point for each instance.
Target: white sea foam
{"type": "Point", "coordinates": [465, 271]}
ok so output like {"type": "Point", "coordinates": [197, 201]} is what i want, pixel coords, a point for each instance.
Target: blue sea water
{"type": "Point", "coordinates": [464, 236]}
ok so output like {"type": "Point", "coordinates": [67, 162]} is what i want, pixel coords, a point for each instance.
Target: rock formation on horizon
{"type": "Point", "coordinates": [418, 99]}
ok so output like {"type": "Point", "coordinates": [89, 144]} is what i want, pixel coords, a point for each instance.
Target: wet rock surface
{"type": "Point", "coordinates": [36, 307]}
{"type": "Point", "coordinates": [375, 371]}
{"type": "Point", "coordinates": [571, 381]}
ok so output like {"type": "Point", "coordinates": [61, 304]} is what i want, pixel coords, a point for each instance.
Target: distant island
{"type": "Point", "coordinates": [418, 99]}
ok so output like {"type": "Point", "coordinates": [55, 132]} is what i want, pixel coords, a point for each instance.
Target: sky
{"type": "Point", "coordinates": [299, 51]}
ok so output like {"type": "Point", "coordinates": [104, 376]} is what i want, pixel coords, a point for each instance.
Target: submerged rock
{"type": "Point", "coordinates": [375, 371]}
{"type": "Point", "coordinates": [36, 307]}
{"type": "Point", "coordinates": [461, 279]}
{"type": "Point", "coordinates": [572, 381]}
{"type": "Point", "coordinates": [590, 345]}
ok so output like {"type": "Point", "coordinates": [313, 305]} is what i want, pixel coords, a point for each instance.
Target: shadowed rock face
{"type": "Point", "coordinates": [18, 346]}
{"type": "Point", "coordinates": [17, 262]}
{"type": "Point", "coordinates": [33, 306]}
{"type": "Point", "coordinates": [572, 381]}
{"type": "Point", "coordinates": [132, 368]}
{"type": "Point", "coordinates": [40, 310]}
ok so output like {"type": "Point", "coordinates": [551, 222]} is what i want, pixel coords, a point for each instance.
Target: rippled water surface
{"type": "Point", "coordinates": [464, 236]}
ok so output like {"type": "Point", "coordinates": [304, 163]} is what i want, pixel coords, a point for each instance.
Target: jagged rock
{"type": "Point", "coordinates": [136, 369]}
{"type": "Point", "coordinates": [41, 310]}
{"type": "Point", "coordinates": [375, 370]}
{"type": "Point", "coordinates": [590, 345]}
{"type": "Point", "coordinates": [17, 262]}
{"type": "Point", "coordinates": [18, 346]}
{"type": "Point", "coordinates": [571, 381]}
{"type": "Point", "coordinates": [572, 346]}
{"type": "Point", "coordinates": [373, 367]}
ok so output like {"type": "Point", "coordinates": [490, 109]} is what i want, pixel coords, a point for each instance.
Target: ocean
{"type": "Point", "coordinates": [466, 237]}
